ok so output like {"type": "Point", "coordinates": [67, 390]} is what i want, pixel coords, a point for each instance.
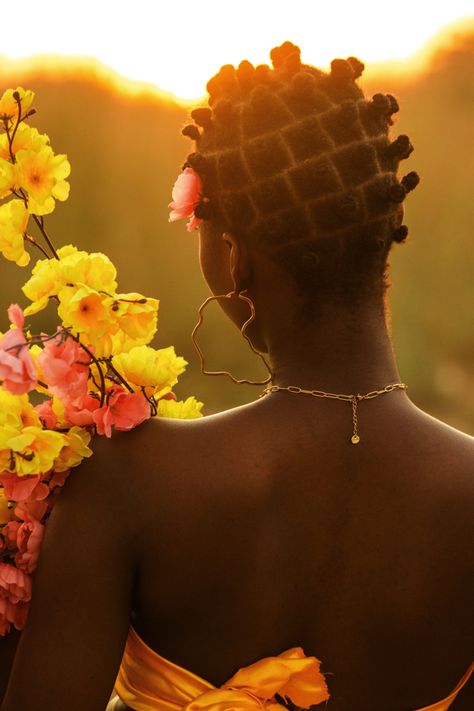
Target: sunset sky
{"type": "Point", "coordinates": [178, 45]}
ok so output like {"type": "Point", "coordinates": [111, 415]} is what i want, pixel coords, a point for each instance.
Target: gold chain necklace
{"type": "Point", "coordinates": [353, 399]}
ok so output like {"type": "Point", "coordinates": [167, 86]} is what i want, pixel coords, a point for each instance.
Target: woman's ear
{"type": "Point", "coordinates": [239, 262]}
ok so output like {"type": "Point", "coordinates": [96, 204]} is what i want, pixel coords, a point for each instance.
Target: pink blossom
{"type": "Point", "coordinates": [10, 532]}
{"type": "Point", "coordinates": [12, 613]}
{"type": "Point", "coordinates": [15, 585]}
{"type": "Point", "coordinates": [17, 369]}
{"type": "Point", "coordinates": [122, 410]}
{"type": "Point", "coordinates": [20, 488]}
{"type": "Point", "coordinates": [65, 367]}
{"type": "Point", "coordinates": [186, 194]}
{"type": "Point", "coordinates": [58, 478]}
{"type": "Point", "coordinates": [83, 415]}
{"type": "Point", "coordinates": [29, 539]}
{"type": "Point", "coordinates": [15, 314]}
{"type": "Point", "coordinates": [46, 414]}
{"type": "Point", "coordinates": [28, 510]}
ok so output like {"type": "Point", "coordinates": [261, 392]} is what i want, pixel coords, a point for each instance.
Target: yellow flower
{"type": "Point", "coordinates": [154, 370]}
{"type": "Point", "coordinates": [87, 312]}
{"type": "Point", "coordinates": [42, 284]}
{"type": "Point", "coordinates": [42, 175]}
{"type": "Point", "coordinates": [16, 414]}
{"type": "Point", "coordinates": [13, 223]}
{"type": "Point", "coordinates": [75, 450]}
{"type": "Point", "coordinates": [16, 411]}
{"type": "Point", "coordinates": [5, 512]}
{"type": "Point", "coordinates": [95, 270]}
{"type": "Point", "coordinates": [137, 318]}
{"type": "Point", "coordinates": [59, 410]}
{"type": "Point", "coordinates": [9, 105]}
{"type": "Point", "coordinates": [49, 276]}
{"type": "Point", "coordinates": [33, 450]}
{"type": "Point", "coordinates": [26, 138]}
{"type": "Point", "coordinates": [7, 177]}
{"type": "Point", "coordinates": [188, 409]}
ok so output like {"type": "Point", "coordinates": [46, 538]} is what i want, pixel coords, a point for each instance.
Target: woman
{"type": "Point", "coordinates": [333, 526]}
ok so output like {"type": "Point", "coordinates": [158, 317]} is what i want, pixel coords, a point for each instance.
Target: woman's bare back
{"type": "Point", "coordinates": [264, 528]}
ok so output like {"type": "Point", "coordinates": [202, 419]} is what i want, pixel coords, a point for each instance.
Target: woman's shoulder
{"type": "Point", "coordinates": [163, 452]}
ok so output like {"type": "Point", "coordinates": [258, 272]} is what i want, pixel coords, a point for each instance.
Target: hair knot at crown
{"type": "Point", "coordinates": [357, 66]}
{"type": "Point", "coordinates": [286, 56]}
{"type": "Point", "coordinates": [246, 74]}
{"type": "Point", "coordinates": [341, 70]}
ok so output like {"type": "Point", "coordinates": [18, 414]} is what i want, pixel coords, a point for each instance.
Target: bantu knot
{"type": "Point", "coordinates": [197, 162]}
{"type": "Point", "coordinates": [410, 181]}
{"type": "Point", "coordinates": [394, 107]}
{"type": "Point", "coordinates": [192, 131]}
{"type": "Point", "coordinates": [203, 210]}
{"type": "Point", "coordinates": [380, 105]}
{"type": "Point", "coordinates": [283, 55]}
{"type": "Point", "coordinates": [341, 70]}
{"type": "Point", "coordinates": [224, 82]}
{"type": "Point", "coordinates": [202, 116]}
{"type": "Point", "coordinates": [262, 74]}
{"type": "Point", "coordinates": [397, 192]}
{"type": "Point", "coordinates": [400, 234]}
{"type": "Point", "coordinates": [400, 148]}
{"type": "Point", "coordinates": [245, 74]}
{"type": "Point", "coordinates": [357, 66]}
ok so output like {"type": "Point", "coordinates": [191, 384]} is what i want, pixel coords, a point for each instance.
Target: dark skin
{"type": "Point", "coordinates": [239, 535]}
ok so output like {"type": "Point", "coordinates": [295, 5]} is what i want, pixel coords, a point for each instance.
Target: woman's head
{"type": "Point", "coordinates": [297, 167]}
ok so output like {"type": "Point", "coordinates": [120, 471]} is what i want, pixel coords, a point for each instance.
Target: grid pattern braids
{"type": "Point", "coordinates": [292, 156]}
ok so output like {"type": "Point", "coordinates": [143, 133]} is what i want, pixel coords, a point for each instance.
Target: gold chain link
{"type": "Point", "coordinates": [353, 399]}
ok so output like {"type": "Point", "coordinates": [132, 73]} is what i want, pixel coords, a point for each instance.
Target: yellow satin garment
{"type": "Point", "coordinates": [148, 682]}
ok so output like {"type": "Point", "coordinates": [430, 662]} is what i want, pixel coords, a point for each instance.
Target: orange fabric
{"type": "Point", "coordinates": [445, 703]}
{"type": "Point", "coordinates": [149, 682]}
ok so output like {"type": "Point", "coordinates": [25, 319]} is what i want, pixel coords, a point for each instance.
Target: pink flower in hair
{"type": "Point", "coordinates": [17, 369]}
{"type": "Point", "coordinates": [186, 192]}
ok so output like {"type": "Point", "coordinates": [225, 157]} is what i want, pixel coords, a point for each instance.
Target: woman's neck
{"type": "Point", "coordinates": [340, 352]}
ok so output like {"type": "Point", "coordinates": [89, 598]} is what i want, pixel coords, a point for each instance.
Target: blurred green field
{"type": "Point", "coordinates": [126, 151]}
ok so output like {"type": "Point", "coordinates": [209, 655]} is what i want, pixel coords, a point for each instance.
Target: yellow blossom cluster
{"type": "Point", "coordinates": [84, 285]}
{"type": "Point", "coordinates": [13, 221]}
{"type": "Point", "coordinates": [28, 448]}
{"type": "Point", "coordinates": [94, 374]}
{"type": "Point", "coordinates": [154, 371]}
{"type": "Point", "coordinates": [30, 173]}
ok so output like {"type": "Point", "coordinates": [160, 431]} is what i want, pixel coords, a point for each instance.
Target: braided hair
{"type": "Point", "coordinates": [298, 163]}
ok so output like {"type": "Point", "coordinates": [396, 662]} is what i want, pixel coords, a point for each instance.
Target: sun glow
{"type": "Point", "coordinates": [178, 46]}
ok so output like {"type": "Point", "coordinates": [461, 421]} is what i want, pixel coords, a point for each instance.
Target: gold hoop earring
{"type": "Point", "coordinates": [247, 323]}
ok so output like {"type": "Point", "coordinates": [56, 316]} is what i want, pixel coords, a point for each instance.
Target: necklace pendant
{"type": "Point", "coordinates": [355, 439]}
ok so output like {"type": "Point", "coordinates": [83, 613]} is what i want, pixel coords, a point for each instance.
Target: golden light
{"type": "Point", "coordinates": [177, 46]}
